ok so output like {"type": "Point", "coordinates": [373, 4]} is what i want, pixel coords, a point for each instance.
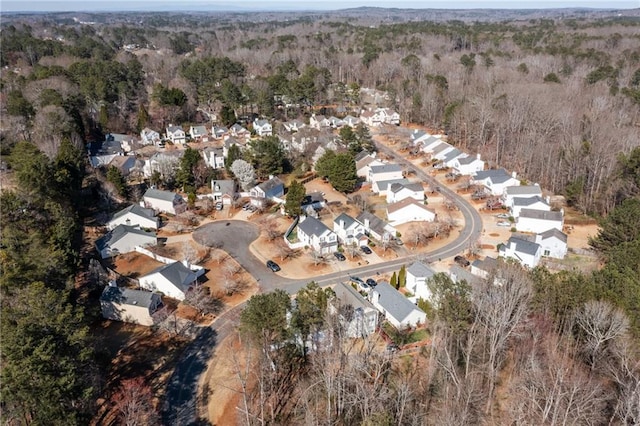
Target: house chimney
{"type": "Point", "coordinates": [342, 223]}
{"type": "Point", "coordinates": [270, 177]}
{"type": "Point", "coordinates": [478, 156]}
{"type": "Point", "coordinates": [514, 174]}
{"type": "Point", "coordinates": [186, 263]}
{"type": "Point", "coordinates": [366, 223]}
{"type": "Point", "coordinates": [113, 283]}
{"type": "Point", "coordinates": [548, 199]}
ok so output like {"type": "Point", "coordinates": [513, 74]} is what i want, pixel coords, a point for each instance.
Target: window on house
{"type": "Point", "coordinates": [547, 253]}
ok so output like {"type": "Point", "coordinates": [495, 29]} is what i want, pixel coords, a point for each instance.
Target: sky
{"type": "Point", "coordinates": [247, 5]}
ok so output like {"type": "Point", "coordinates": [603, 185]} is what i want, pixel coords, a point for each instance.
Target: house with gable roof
{"type": "Point", "coordinates": [384, 172]}
{"type": "Point", "coordinates": [440, 151]}
{"type": "Point", "coordinates": [219, 132]}
{"type": "Point", "coordinates": [123, 239]}
{"type": "Point", "coordinates": [396, 308]}
{"type": "Point", "coordinates": [128, 305]}
{"type": "Point", "coordinates": [214, 157]}
{"type": "Point", "coordinates": [364, 162]}
{"type": "Point", "coordinates": [262, 127]}
{"type": "Point", "coordinates": [134, 215]}
{"type": "Point", "coordinates": [409, 210]}
{"type": "Point", "coordinates": [485, 267]}
{"type": "Point", "coordinates": [553, 243]}
{"type": "Point", "coordinates": [351, 121]}
{"type": "Point", "coordinates": [349, 230]}
{"type": "Point", "coordinates": [382, 187]}
{"type": "Point", "coordinates": [358, 316]}
{"type": "Point", "coordinates": [467, 165]}
{"type": "Point", "coordinates": [521, 191]}
{"type": "Point", "coordinates": [224, 191]}
{"type": "Point", "coordinates": [335, 122]}
{"type": "Point", "coordinates": [534, 203]}
{"type": "Point", "coordinates": [417, 137]}
{"type": "Point", "coordinates": [273, 189]}
{"type": "Point", "coordinates": [539, 221]}
{"type": "Point", "coordinates": [293, 125]}
{"type": "Point", "coordinates": [163, 201]}
{"type": "Point", "coordinates": [240, 132]}
{"type": "Point", "coordinates": [101, 153]}
{"type": "Point", "coordinates": [430, 143]}
{"type": "Point", "coordinates": [398, 192]}
{"type": "Point", "coordinates": [149, 137]}
{"type": "Point", "coordinates": [319, 122]}
{"type": "Point", "coordinates": [199, 133]}
{"type": "Point", "coordinates": [418, 275]}
{"type": "Point", "coordinates": [173, 280]}
{"type": "Point", "coordinates": [388, 116]}
{"type": "Point", "coordinates": [451, 156]}
{"type": "Point", "coordinates": [317, 235]}
{"type": "Point", "coordinates": [375, 227]}
{"type": "Point", "coordinates": [176, 135]}
{"type": "Point", "coordinates": [527, 253]}
{"type": "Point", "coordinates": [162, 162]}
{"type": "Point", "coordinates": [495, 181]}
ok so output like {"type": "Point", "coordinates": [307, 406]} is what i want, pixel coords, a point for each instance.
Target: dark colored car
{"type": "Point", "coordinates": [339, 256]}
{"type": "Point", "coordinates": [462, 261]}
{"type": "Point", "coordinates": [273, 266]}
{"type": "Point", "coordinates": [365, 249]}
{"type": "Point", "coordinates": [371, 282]}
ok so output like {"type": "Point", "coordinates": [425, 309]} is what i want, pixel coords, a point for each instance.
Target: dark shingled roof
{"type": "Point", "coordinates": [126, 296]}
{"type": "Point", "coordinates": [137, 210]}
{"type": "Point", "coordinates": [312, 226]}
{"type": "Point", "coordinates": [524, 246]}
{"type": "Point", "coordinates": [119, 232]}
{"type": "Point", "coordinates": [553, 232]}
{"type": "Point", "coordinates": [394, 302]}
{"type": "Point", "coordinates": [540, 214]}
{"type": "Point", "coordinates": [178, 274]}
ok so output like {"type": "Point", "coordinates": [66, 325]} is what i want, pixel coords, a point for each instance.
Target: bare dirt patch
{"type": "Point", "coordinates": [135, 265]}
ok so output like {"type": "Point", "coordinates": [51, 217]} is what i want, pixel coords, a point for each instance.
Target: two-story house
{"type": "Point", "coordinates": [317, 235]}
{"type": "Point", "coordinates": [176, 135]}
{"type": "Point", "coordinates": [349, 230]}
{"type": "Point", "coordinates": [214, 157]}
{"type": "Point", "coordinates": [263, 127]}
{"type": "Point", "coordinates": [163, 201]}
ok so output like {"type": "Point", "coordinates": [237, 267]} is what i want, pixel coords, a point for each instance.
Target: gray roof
{"type": "Point", "coordinates": [137, 210]}
{"type": "Point", "coordinates": [386, 168]}
{"type": "Point", "coordinates": [527, 201]}
{"type": "Point", "coordinates": [493, 174]}
{"type": "Point", "coordinates": [466, 159]}
{"type": "Point", "coordinates": [541, 214]}
{"type": "Point", "coordinates": [349, 296]}
{"type": "Point", "coordinates": [458, 274]}
{"type": "Point", "coordinates": [362, 154]}
{"type": "Point", "coordinates": [127, 296]}
{"type": "Point", "coordinates": [220, 130]}
{"type": "Point", "coordinates": [238, 128]}
{"type": "Point", "coordinates": [178, 274]}
{"type": "Point", "coordinates": [440, 147]}
{"type": "Point", "coordinates": [524, 246]}
{"type": "Point", "coordinates": [393, 302]}
{"type": "Point", "coordinates": [553, 232]}
{"type": "Point", "coordinates": [430, 140]}
{"type": "Point", "coordinates": [417, 134]}
{"type": "Point", "coordinates": [113, 236]}
{"type": "Point", "coordinates": [200, 130]}
{"type": "Point", "coordinates": [348, 220]}
{"type": "Point", "coordinates": [160, 195]}
{"type": "Point", "coordinates": [231, 141]}
{"type": "Point", "coordinates": [487, 264]}
{"type": "Point", "coordinates": [452, 154]}
{"type": "Point", "coordinates": [260, 123]}
{"type": "Point", "coordinates": [375, 223]}
{"type": "Point", "coordinates": [523, 190]}
{"type": "Point", "coordinates": [216, 150]}
{"type": "Point", "coordinates": [270, 184]}
{"type": "Point", "coordinates": [419, 269]}
{"type": "Point", "coordinates": [386, 184]}
{"type": "Point", "coordinates": [312, 226]}
{"type": "Point", "coordinates": [106, 147]}
{"type": "Point", "coordinates": [398, 186]}
{"type": "Point", "coordinates": [172, 129]}
{"type": "Point", "coordinates": [224, 186]}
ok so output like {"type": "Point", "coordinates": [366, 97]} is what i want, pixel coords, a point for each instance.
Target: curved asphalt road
{"type": "Point", "coordinates": [234, 236]}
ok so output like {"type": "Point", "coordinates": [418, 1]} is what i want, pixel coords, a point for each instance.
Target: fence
{"type": "Point", "coordinates": [291, 245]}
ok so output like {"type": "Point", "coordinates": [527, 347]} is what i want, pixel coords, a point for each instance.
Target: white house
{"type": "Point", "coordinates": [522, 191]}
{"type": "Point", "coordinates": [317, 235]}
{"type": "Point", "coordinates": [124, 163]}
{"type": "Point", "coordinates": [389, 116]}
{"type": "Point", "coordinates": [525, 252]}
{"type": "Point", "coordinates": [417, 137]}
{"type": "Point", "coordinates": [409, 210]}
{"type": "Point", "coordinates": [239, 132]}
{"type": "Point", "coordinates": [223, 191]}
{"type": "Point", "coordinates": [128, 305]}
{"type": "Point", "coordinates": [199, 133]}
{"type": "Point", "coordinates": [398, 192]}
{"type": "Point", "coordinates": [293, 125]}
{"type": "Point", "coordinates": [532, 203]}
{"type": "Point", "coordinates": [431, 143]}
{"type": "Point", "coordinates": [134, 215]}
{"type": "Point", "coordinates": [387, 171]}
{"type": "Point", "coordinates": [484, 268]}
{"type": "Point", "coordinates": [273, 189]}
{"type": "Point", "coordinates": [371, 118]}
{"type": "Point", "coordinates": [102, 152]}
{"type": "Point", "coordinates": [176, 135]}
{"type": "Point", "coordinates": [262, 127]}
{"type": "Point", "coordinates": [396, 308]}
{"type": "Point", "coordinates": [450, 157]}
{"type": "Point", "coordinates": [495, 181]}
{"type": "Point", "coordinates": [467, 165]}
{"type": "Point", "coordinates": [351, 121]}
{"type": "Point", "coordinates": [364, 162]}
{"type": "Point", "coordinates": [214, 157]}
{"type": "Point", "coordinates": [349, 230]}
{"type": "Point", "coordinates": [418, 274]}
{"type": "Point", "coordinates": [553, 243]}
{"type": "Point", "coordinates": [149, 136]}
{"type": "Point", "coordinates": [163, 201]}
{"type": "Point", "coordinates": [376, 227]}
{"type": "Point", "coordinates": [123, 239]}
{"type": "Point", "coordinates": [539, 221]}
{"type": "Point", "coordinates": [382, 187]}
{"type": "Point", "coordinates": [173, 280]}
{"type": "Point", "coordinates": [164, 163]}
{"type": "Point", "coordinates": [440, 151]}
{"type": "Point", "coordinates": [219, 132]}
{"type": "Point", "coordinates": [335, 122]}
{"type": "Point", "coordinates": [358, 316]}
{"type": "Point", "coordinates": [319, 122]}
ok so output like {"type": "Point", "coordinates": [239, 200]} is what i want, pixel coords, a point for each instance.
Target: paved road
{"type": "Point", "coordinates": [234, 237]}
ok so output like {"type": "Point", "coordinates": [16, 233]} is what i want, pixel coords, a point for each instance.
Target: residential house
{"type": "Point", "coordinates": [440, 151]}
{"type": "Point", "coordinates": [364, 162]}
{"type": "Point", "coordinates": [459, 274]}
{"type": "Point", "coordinates": [451, 157]}
{"type": "Point", "coordinates": [163, 201]}
{"type": "Point", "coordinates": [199, 133]}
{"type": "Point", "coordinates": [533, 203]}
{"type": "Point", "coordinates": [430, 143]}
{"type": "Point", "coordinates": [164, 163]}
{"type": "Point", "coordinates": [229, 142]}
{"type": "Point", "coordinates": [224, 191]}
{"type": "Point", "coordinates": [417, 137]}
{"type": "Point", "coordinates": [127, 305]}
{"type": "Point", "coordinates": [294, 125]}
{"type": "Point", "coordinates": [124, 163]}
{"type": "Point", "coordinates": [409, 210]}
{"type": "Point", "coordinates": [262, 127]}
{"type": "Point", "coordinates": [396, 308]}
{"type": "Point", "coordinates": [273, 189]}
{"type": "Point", "coordinates": [525, 252]}
{"type": "Point", "coordinates": [382, 187]}
{"type": "Point", "coordinates": [176, 135]}
{"type": "Point", "coordinates": [335, 122]}
{"type": "Point", "coordinates": [398, 192]}
{"type": "Point", "coordinates": [495, 181]}
{"type": "Point", "coordinates": [418, 275]}
{"type": "Point", "coordinates": [389, 116]}
{"type": "Point", "coordinates": [351, 121]}
{"type": "Point", "coordinates": [123, 239]}
{"type": "Point", "coordinates": [375, 227]}
{"type": "Point", "coordinates": [101, 153]}
{"type": "Point", "coordinates": [149, 137]}
{"type": "Point", "coordinates": [239, 132]}
{"type": "Point", "coordinates": [522, 191]}
{"type": "Point", "coordinates": [467, 165]}
{"type": "Point", "coordinates": [319, 122]}
{"type": "Point", "coordinates": [357, 315]}
{"type": "Point", "coordinates": [384, 172]}
{"type": "Point", "coordinates": [317, 235]}
{"type": "Point", "coordinates": [553, 243]}
{"type": "Point", "coordinates": [371, 118]}
{"type": "Point", "coordinates": [484, 268]}
{"type": "Point", "coordinates": [539, 221]}
{"type": "Point", "coordinates": [219, 132]}
{"type": "Point", "coordinates": [173, 280]}
{"type": "Point", "coordinates": [127, 142]}
{"type": "Point", "coordinates": [134, 215]}
{"type": "Point", "coordinates": [349, 230]}
{"type": "Point", "coordinates": [214, 157]}
{"type": "Point", "coordinates": [312, 203]}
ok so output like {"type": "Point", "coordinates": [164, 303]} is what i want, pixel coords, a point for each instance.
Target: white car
{"type": "Point", "coordinates": [504, 223]}
{"type": "Point", "coordinates": [502, 216]}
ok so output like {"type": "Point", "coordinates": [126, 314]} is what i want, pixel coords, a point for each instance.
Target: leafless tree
{"type": "Point", "coordinates": [317, 257]}
{"type": "Point", "coordinates": [353, 251]}
{"type": "Point", "coordinates": [200, 298]}
{"type": "Point", "coordinates": [134, 402]}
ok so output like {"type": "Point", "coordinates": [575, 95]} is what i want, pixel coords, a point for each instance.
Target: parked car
{"type": "Point", "coordinates": [365, 249]}
{"type": "Point", "coordinates": [462, 261]}
{"type": "Point", "coordinates": [361, 284]}
{"type": "Point", "coordinates": [439, 166]}
{"type": "Point", "coordinates": [339, 256]}
{"type": "Point", "coordinates": [273, 266]}
{"type": "Point", "coordinates": [371, 282]}
{"type": "Point", "coordinates": [502, 216]}
{"type": "Point", "coordinates": [219, 206]}
{"type": "Point", "coordinates": [504, 223]}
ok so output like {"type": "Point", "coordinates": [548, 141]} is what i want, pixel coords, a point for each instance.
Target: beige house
{"type": "Point", "coordinates": [126, 305]}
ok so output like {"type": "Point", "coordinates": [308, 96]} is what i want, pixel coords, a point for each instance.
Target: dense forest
{"type": "Point", "coordinates": [557, 100]}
